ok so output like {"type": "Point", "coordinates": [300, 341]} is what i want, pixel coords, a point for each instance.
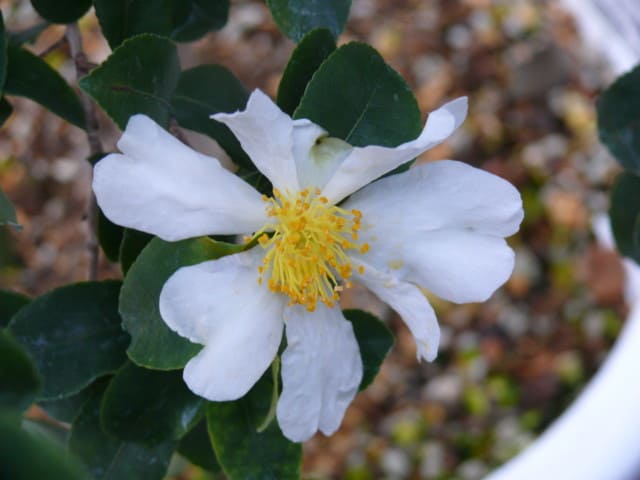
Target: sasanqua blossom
{"type": "Point", "coordinates": [439, 226]}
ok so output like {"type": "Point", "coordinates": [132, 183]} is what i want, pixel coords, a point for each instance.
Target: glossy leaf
{"type": "Point", "coordinates": [240, 449]}
{"type": "Point", "coordinates": [31, 77]}
{"type": "Point", "coordinates": [375, 341]}
{"type": "Point", "coordinates": [138, 77]}
{"type": "Point", "coordinates": [61, 11]}
{"type": "Point", "coordinates": [297, 17]}
{"type": "Point", "coordinates": [149, 406]}
{"type": "Point", "coordinates": [182, 20]}
{"type": "Point", "coordinates": [19, 378]}
{"type": "Point", "coordinates": [153, 344]}
{"type": "Point", "coordinates": [109, 237]}
{"type": "Point", "coordinates": [7, 212]}
{"type": "Point", "coordinates": [625, 215]}
{"type": "Point", "coordinates": [308, 55]}
{"type": "Point", "coordinates": [10, 303]}
{"type": "Point", "coordinates": [203, 91]}
{"type": "Point", "coordinates": [133, 242]}
{"type": "Point", "coordinates": [29, 457]}
{"type": "Point", "coordinates": [67, 409]}
{"type": "Point", "coordinates": [4, 43]}
{"type": "Point", "coordinates": [196, 447]}
{"type": "Point", "coordinates": [74, 335]}
{"type": "Point", "coordinates": [618, 123]}
{"type": "Point", "coordinates": [357, 97]}
{"type": "Point", "coordinates": [108, 458]}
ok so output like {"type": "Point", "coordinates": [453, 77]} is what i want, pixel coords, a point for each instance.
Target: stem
{"type": "Point", "coordinates": [95, 145]}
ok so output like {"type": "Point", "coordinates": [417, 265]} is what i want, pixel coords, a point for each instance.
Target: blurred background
{"type": "Point", "coordinates": [507, 368]}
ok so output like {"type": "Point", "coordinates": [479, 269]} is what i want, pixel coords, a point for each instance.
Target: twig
{"type": "Point", "coordinates": [95, 145]}
{"type": "Point", "coordinates": [54, 46]}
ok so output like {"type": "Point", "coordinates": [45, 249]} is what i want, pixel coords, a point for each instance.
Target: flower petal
{"type": "Point", "coordinates": [365, 164]}
{"type": "Point", "coordinates": [220, 304]}
{"type": "Point", "coordinates": [410, 303]}
{"type": "Point", "coordinates": [163, 187]}
{"type": "Point", "coordinates": [321, 372]}
{"type": "Point", "coordinates": [265, 133]}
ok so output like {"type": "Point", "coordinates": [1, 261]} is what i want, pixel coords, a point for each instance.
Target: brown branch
{"type": "Point", "coordinates": [95, 145]}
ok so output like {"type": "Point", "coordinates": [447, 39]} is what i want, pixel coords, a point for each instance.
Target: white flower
{"type": "Point", "coordinates": [439, 226]}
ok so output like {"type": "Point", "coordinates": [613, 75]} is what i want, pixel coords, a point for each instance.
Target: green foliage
{"type": "Point", "coordinates": [153, 344]}
{"type": "Point", "coordinates": [7, 212]}
{"type": "Point", "coordinates": [138, 77]}
{"type": "Point", "coordinates": [625, 215]}
{"type": "Point", "coordinates": [61, 11]}
{"type": "Point", "coordinates": [375, 341]}
{"type": "Point", "coordinates": [196, 447]}
{"type": "Point", "coordinates": [73, 334]}
{"type": "Point", "coordinates": [27, 457]}
{"type": "Point", "coordinates": [109, 237]}
{"type": "Point", "coordinates": [109, 458]}
{"type": "Point", "coordinates": [241, 450]}
{"type": "Point", "coordinates": [181, 20]}
{"type": "Point", "coordinates": [297, 17]}
{"type": "Point", "coordinates": [31, 77]}
{"type": "Point", "coordinates": [5, 110]}
{"type": "Point", "coordinates": [357, 97]}
{"type": "Point", "coordinates": [19, 378]}
{"type": "Point", "coordinates": [133, 242]}
{"type": "Point", "coordinates": [307, 57]}
{"type": "Point", "coordinates": [149, 407]}
{"type": "Point", "coordinates": [10, 303]}
{"type": "Point", "coordinates": [618, 123]}
{"type": "Point", "coordinates": [67, 409]}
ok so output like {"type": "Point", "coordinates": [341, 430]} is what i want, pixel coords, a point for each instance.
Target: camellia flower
{"type": "Point", "coordinates": [439, 226]}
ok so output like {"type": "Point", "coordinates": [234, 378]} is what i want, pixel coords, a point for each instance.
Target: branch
{"type": "Point", "coordinates": [95, 145]}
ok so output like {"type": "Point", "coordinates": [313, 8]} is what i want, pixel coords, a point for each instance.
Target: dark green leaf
{"type": "Point", "coordinates": [61, 11]}
{"type": "Point", "coordinates": [19, 379]}
{"type": "Point", "coordinates": [138, 77]}
{"type": "Point", "coordinates": [203, 91]}
{"type": "Point", "coordinates": [149, 406]}
{"type": "Point", "coordinates": [7, 212]}
{"type": "Point", "coordinates": [133, 242]}
{"type": "Point", "coordinates": [67, 409]}
{"type": "Point", "coordinates": [27, 457]}
{"type": "Point", "coordinates": [196, 447]}
{"type": "Point", "coordinates": [357, 97]}
{"type": "Point", "coordinates": [182, 20]}
{"type": "Point", "coordinates": [74, 335]}
{"type": "Point", "coordinates": [110, 237]}
{"type": "Point", "coordinates": [108, 458]}
{"type": "Point", "coordinates": [619, 122]}
{"type": "Point", "coordinates": [297, 17]}
{"type": "Point", "coordinates": [153, 344]}
{"type": "Point", "coordinates": [10, 303]}
{"type": "Point", "coordinates": [375, 341]}
{"type": "Point", "coordinates": [28, 35]}
{"type": "Point", "coordinates": [241, 450]}
{"type": "Point", "coordinates": [312, 50]}
{"type": "Point", "coordinates": [4, 39]}
{"type": "Point", "coordinates": [30, 76]}
{"type": "Point", "coordinates": [5, 110]}
{"type": "Point", "coordinates": [625, 215]}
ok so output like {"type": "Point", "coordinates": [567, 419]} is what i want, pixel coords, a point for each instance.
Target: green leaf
{"type": "Point", "coordinates": [5, 110]}
{"type": "Point", "coordinates": [196, 447]}
{"type": "Point", "coordinates": [625, 215]}
{"type": "Point", "coordinates": [74, 335]}
{"type": "Point", "coordinates": [203, 91]}
{"type": "Point", "coordinates": [153, 344]}
{"type": "Point", "coordinates": [297, 17]}
{"type": "Point", "coordinates": [375, 341]}
{"type": "Point", "coordinates": [357, 97]}
{"type": "Point", "coordinates": [4, 59]}
{"type": "Point", "coordinates": [10, 303]}
{"type": "Point", "coordinates": [241, 450]}
{"type": "Point", "coordinates": [19, 378]}
{"type": "Point", "coordinates": [618, 121]}
{"type": "Point", "coordinates": [7, 212]}
{"type": "Point", "coordinates": [109, 237]}
{"type": "Point", "coordinates": [182, 20]}
{"type": "Point", "coordinates": [138, 77]}
{"type": "Point", "coordinates": [307, 57]}
{"type": "Point", "coordinates": [29, 457]}
{"type": "Point", "coordinates": [149, 406]}
{"type": "Point", "coordinates": [67, 409]}
{"type": "Point", "coordinates": [133, 242]}
{"type": "Point", "coordinates": [61, 11]}
{"type": "Point", "coordinates": [108, 458]}
{"type": "Point", "coordinates": [30, 76]}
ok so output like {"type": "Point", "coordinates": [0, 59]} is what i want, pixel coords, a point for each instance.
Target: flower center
{"type": "Point", "coordinates": [306, 255]}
